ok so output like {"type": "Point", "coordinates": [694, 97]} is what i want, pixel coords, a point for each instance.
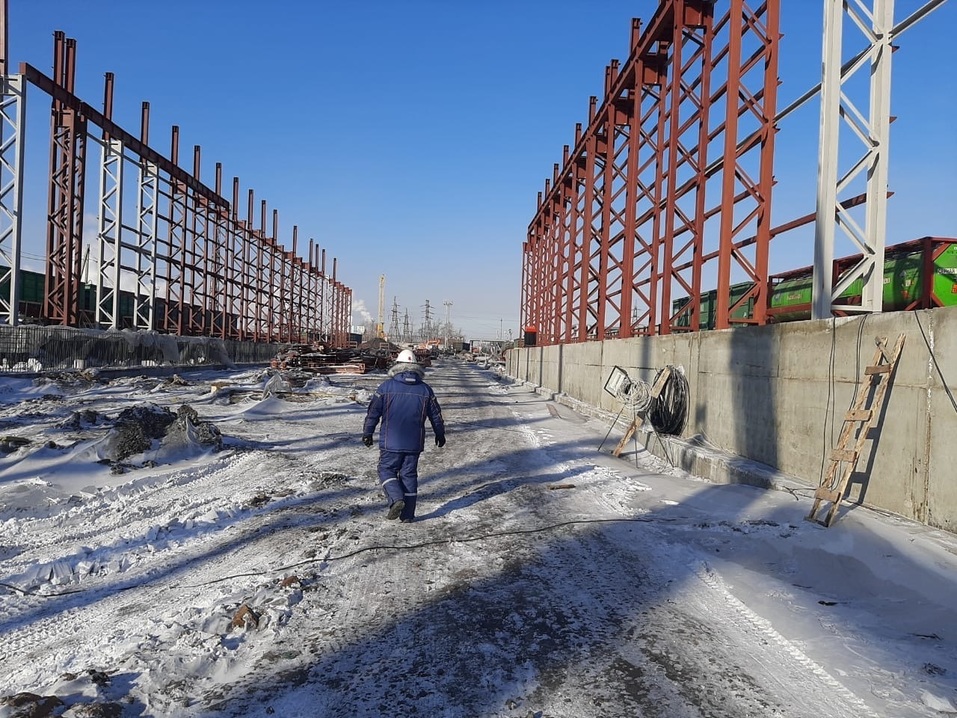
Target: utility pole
{"type": "Point", "coordinates": [380, 324]}
{"type": "Point", "coordinates": [448, 322]}
{"type": "Point", "coordinates": [406, 328]}
{"type": "Point", "coordinates": [394, 327]}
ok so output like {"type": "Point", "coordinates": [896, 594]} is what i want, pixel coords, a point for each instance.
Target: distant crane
{"type": "Point", "coordinates": [380, 324]}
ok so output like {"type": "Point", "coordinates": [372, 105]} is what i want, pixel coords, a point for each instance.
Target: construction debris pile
{"type": "Point", "coordinates": [319, 358]}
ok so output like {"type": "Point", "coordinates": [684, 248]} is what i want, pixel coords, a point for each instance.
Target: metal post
{"type": "Point", "coordinates": [12, 118]}
{"type": "Point", "coordinates": [873, 129]}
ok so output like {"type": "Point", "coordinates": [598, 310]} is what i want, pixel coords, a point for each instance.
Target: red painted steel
{"type": "Point", "coordinates": [216, 275]}
{"type": "Point", "coordinates": [67, 191]}
{"type": "Point", "coordinates": [673, 169]}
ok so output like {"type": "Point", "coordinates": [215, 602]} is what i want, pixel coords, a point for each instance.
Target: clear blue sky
{"type": "Point", "coordinates": [410, 138]}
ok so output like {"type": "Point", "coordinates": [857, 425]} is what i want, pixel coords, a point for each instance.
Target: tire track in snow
{"type": "Point", "coordinates": [814, 691]}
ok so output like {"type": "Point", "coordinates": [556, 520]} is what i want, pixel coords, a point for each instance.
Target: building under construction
{"type": "Point", "coordinates": [174, 251]}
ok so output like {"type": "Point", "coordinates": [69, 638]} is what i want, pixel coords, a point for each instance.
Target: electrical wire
{"type": "Point", "coordinates": [933, 358]}
{"type": "Point", "coordinates": [384, 547]}
{"type": "Point", "coordinates": [445, 542]}
{"type": "Point", "coordinates": [829, 404]}
{"type": "Point", "coordinates": [635, 395]}
{"type": "Point", "coordinates": [669, 410]}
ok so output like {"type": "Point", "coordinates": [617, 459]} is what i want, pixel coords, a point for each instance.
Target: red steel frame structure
{"type": "Point", "coordinates": [669, 184]}
{"type": "Point", "coordinates": [190, 264]}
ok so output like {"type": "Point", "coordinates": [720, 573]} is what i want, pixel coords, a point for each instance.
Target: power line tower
{"type": "Point", "coordinates": [394, 326]}
{"type": "Point", "coordinates": [406, 328]}
{"type": "Point", "coordinates": [427, 327]}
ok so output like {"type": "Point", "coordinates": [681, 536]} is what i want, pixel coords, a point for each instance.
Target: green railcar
{"type": "Point", "coordinates": [905, 266]}
{"type": "Point", "coordinates": [707, 313]}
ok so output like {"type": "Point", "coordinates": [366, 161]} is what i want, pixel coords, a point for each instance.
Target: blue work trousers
{"type": "Point", "coordinates": [399, 476]}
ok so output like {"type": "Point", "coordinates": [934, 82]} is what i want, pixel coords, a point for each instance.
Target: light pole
{"type": "Point", "coordinates": [448, 320]}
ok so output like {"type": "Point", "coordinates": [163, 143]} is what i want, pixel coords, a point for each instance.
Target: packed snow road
{"type": "Point", "coordinates": [259, 576]}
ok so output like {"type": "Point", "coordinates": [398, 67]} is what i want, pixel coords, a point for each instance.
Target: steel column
{"type": "Point", "coordinates": [12, 114]}
{"type": "Point", "coordinates": [106, 306]}
{"type": "Point", "coordinates": [67, 192]}
{"type": "Point", "coordinates": [875, 20]}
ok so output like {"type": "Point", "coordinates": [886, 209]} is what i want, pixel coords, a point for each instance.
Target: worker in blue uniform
{"type": "Point", "coordinates": [403, 403]}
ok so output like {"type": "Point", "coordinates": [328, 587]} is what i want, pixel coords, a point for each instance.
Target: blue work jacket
{"type": "Point", "coordinates": [403, 403]}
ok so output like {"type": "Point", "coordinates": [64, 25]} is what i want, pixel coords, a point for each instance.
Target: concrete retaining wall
{"type": "Point", "coordinates": [777, 395]}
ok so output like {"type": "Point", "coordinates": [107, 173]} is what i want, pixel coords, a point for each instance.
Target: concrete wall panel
{"type": "Point", "coordinates": [778, 395]}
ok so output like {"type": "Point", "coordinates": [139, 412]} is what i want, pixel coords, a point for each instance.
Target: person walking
{"type": "Point", "coordinates": [403, 403]}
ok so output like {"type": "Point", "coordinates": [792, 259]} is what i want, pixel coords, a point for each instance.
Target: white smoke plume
{"type": "Point", "coordinates": [359, 310]}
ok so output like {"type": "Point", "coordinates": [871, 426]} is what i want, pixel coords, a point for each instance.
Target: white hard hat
{"type": "Point", "coordinates": [406, 357]}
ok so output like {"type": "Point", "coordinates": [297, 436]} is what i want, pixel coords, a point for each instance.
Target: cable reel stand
{"type": "Point", "coordinates": [663, 403]}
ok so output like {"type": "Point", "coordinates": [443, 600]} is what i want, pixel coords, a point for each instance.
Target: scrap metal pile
{"type": "Point", "coordinates": [320, 358]}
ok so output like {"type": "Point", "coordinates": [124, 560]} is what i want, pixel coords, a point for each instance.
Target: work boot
{"type": "Point", "coordinates": [395, 509]}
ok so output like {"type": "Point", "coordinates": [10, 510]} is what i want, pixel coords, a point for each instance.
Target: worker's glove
{"type": "Point", "coordinates": [367, 439]}
{"type": "Point", "coordinates": [440, 440]}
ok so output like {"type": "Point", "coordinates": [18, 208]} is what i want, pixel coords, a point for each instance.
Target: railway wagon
{"type": "Point", "coordinates": [919, 274]}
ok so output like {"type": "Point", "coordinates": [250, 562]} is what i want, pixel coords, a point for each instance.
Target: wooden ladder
{"type": "Point", "coordinates": [858, 422]}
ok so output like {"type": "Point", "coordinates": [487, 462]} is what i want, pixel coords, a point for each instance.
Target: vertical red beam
{"type": "Point", "coordinates": [672, 93]}
{"type": "Point", "coordinates": [538, 268]}
{"type": "Point", "coordinates": [295, 290]}
{"type": "Point", "coordinates": [753, 194]}
{"type": "Point", "coordinates": [324, 297]}
{"type": "Point", "coordinates": [699, 24]}
{"type": "Point", "coordinates": [240, 266]}
{"type": "Point", "coordinates": [565, 251]}
{"type": "Point", "coordinates": [221, 287]}
{"type": "Point", "coordinates": [310, 293]}
{"type": "Point", "coordinates": [576, 239]}
{"type": "Point", "coordinates": [175, 245]}
{"type": "Point", "coordinates": [632, 88]}
{"type": "Point", "coordinates": [267, 302]}
{"type": "Point", "coordinates": [549, 327]}
{"type": "Point", "coordinates": [587, 237]}
{"type": "Point", "coordinates": [67, 185]}
{"type": "Point", "coordinates": [256, 270]}
{"type": "Point", "coordinates": [199, 309]}
{"type": "Point", "coordinates": [605, 135]}
{"type": "Point", "coordinates": [337, 302]}
{"type": "Point", "coordinates": [659, 311]}
{"type": "Point", "coordinates": [688, 102]}
{"type": "Point", "coordinates": [525, 307]}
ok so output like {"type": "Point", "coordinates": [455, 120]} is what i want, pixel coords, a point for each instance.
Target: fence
{"type": "Point", "coordinates": [54, 348]}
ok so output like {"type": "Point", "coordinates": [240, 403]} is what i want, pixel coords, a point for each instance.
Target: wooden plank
{"type": "Point", "coordinates": [848, 455]}
{"type": "Point", "coordinates": [879, 369]}
{"type": "Point", "coordinates": [632, 428]}
{"type": "Point", "coordinates": [827, 495]}
{"type": "Point", "coordinates": [859, 415]}
{"type": "Point", "coordinates": [660, 382]}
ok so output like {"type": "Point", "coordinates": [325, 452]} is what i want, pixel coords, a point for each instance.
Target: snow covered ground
{"type": "Point", "coordinates": [543, 578]}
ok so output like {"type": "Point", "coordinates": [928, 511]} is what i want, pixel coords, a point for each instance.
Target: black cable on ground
{"type": "Point", "coordinates": [669, 411]}
{"type": "Point", "coordinates": [440, 542]}
{"type": "Point", "coordinates": [375, 547]}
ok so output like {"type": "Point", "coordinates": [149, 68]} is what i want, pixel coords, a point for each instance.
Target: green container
{"type": "Point", "coordinates": [708, 310]}
{"type": "Point", "coordinates": [903, 286]}
{"type": "Point", "coordinates": [945, 277]}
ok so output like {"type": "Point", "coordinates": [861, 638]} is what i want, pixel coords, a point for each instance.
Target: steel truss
{"type": "Point", "coordinates": [669, 184]}
{"type": "Point", "coordinates": [177, 260]}
{"type": "Point", "coordinates": [12, 113]}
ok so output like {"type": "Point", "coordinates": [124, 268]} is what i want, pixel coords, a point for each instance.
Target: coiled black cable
{"type": "Point", "coordinates": [669, 411]}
